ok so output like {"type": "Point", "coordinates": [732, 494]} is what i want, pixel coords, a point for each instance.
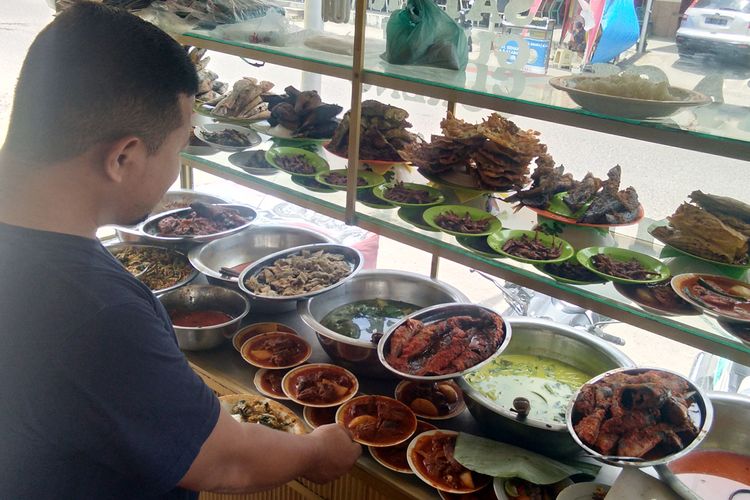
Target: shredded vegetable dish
{"type": "Point", "coordinates": [157, 268]}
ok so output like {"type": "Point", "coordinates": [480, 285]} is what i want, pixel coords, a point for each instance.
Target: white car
{"type": "Point", "coordinates": [720, 27]}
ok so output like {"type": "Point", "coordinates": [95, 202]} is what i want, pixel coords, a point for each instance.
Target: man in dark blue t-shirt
{"type": "Point", "coordinates": [98, 400]}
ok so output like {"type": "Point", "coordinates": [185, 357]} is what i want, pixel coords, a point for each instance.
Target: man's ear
{"type": "Point", "coordinates": [124, 156]}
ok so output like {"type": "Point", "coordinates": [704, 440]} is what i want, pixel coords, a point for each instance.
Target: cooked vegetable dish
{"type": "Point", "coordinates": [366, 318]}
{"type": "Point", "coordinates": [157, 268]}
{"type": "Point", "coordinates": [548, 384]}
{"type": "Point", "coordinates": [261, 412]}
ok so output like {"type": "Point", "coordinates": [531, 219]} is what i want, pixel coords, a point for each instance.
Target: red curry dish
{"type": "Point", "coordinates": [431, 457]}
{"type": "Point", "coordinates": [377, 420]}
{"type": "Point", "coordinates": [435, 400]}
{"type": "Point", "coordinates": [268, 383]}
{"type": "Point", "coordinates": [276, 350]}
{"type": "Point", "coordinates": [320, 385]}
{"type": "Point", "coordinates": [443, 347]}
{"type": "Point", "coordinates": [394, 457]}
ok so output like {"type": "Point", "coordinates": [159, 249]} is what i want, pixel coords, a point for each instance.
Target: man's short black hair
{"type": "Point", "coordinates": [97, 74]}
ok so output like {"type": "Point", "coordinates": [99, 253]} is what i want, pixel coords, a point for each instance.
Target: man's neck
{"type": "Point", "coordinates": [48, 198]}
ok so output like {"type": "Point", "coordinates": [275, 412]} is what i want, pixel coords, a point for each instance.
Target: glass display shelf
{"type": "Point", "coordinates": [702, 332]}
{"type": "Point", "coordinates": [718, 128]}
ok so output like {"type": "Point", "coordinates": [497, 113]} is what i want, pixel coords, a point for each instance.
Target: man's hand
{"type": "Point", "coordinates": [335, 452]}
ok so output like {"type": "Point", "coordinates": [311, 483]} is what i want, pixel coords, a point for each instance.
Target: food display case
{"type": "Point", "coordinates": [491, 83]}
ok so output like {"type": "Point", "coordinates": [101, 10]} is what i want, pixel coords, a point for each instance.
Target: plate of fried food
{"type": "Point", "coordinates": [296, 161]}
{"type": "Point", "coordinates": [639, 417]}
{"type": "Point", "coordinates": [712, 228]}
{"type": "Point", "coordinates": [227, 137]}
{"type": "Point", "coordinates": [465, 336]}
{"type": "Point", "coordinates": [384, 134]}
{"type": "Point", "coordinates": [570, 272]}
{"type": "Point", "coordinates": [590, 202]}
{"type": "Point", "coordinates": [253, 409]}
{"type": "Point", "coordinates": [627, 95]}
{"type": "Point", "coordinates": [253, 162]}
{"type": "Point", "coordinates": [337, 179]}
{"type": "Point", "coordinates": [241, 105]}
{"type": "Point", "coordinates": [530, 247]}
{"type": "Point", "coordinates": [621, 265]}
{"type": "Point", "coordinates": [490, 156]}
{"type": "Point", "coordinates": [408, 194]}
{"type": "Point", "coordinates": [300, 116]}
{"type": "Point", "coordinates": [460, 220]}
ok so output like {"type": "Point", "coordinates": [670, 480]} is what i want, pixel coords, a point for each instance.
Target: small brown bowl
{"type": "Point", "coordinates": [341, 381]}
{"type": "Point", "coordinates": [256, 329]}
{"type": "Point", "coordinates": [315, 417]}
{"type": "Point", "coordinates": [259, 352]}
{"type": "Point", "coordinates": [416, 463]}
{"type": "Point", "coordinates": [432, 400]}
{"type": "Point", "coordinates": [394, 457]}
{"type": "Point", "coordinates": [360, 416]}
{"type": "Point", "coordinates": [268, 383]}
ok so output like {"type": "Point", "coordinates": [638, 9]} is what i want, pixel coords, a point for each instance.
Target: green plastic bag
{"type": "Point", "coordinates": [423, 34]}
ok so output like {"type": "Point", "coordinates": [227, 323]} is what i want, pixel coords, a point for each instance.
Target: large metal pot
{"type": "Point", "coordinates": [361, 356]}
{"type": "Point", "coordinates": [729, 432]}
{"type": "Point", "coordinates": [551, 340]}
{"type": "Point", "coordinates": [249, 246]}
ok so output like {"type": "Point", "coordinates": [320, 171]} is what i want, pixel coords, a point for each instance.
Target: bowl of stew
{"type": "Point", "coordinates": [204, 316]}
{"type": "Point", "coordinates": [319, 385]}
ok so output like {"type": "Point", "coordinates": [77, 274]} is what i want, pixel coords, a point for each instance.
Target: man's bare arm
{"type": "Point", "coordinates": [239, 457]}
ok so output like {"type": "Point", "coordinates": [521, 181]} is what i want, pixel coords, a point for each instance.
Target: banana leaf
{"type": "Point", "coordinates": [503, 460]}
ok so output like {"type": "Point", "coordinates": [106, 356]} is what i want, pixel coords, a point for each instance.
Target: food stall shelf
{"type": "Point", "coordinates": [701, 332]}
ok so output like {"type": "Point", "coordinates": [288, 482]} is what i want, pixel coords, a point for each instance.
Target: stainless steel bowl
{"type": "Point", "coordinates": [120, 246]}
{"type": "Point", "coordinates": [361, 356]}
{"type": "Point", "coordinates": [183, 197]}
{"type": "Point", "coordinates": [281, 303]}
{"type": "Point", "coordinates": [729, 432]}
{"type": "Point", "coordinates": [206, 297]}
{"type": "Point", "coordinates": [552, 340]}
{"type": "Point", "coordinates": [248, 246]}
{"type": "Point", "coordinates": [700, 412]}
{"type": "Point", "coordinates": [150, 226]}
{"type": "Point", "coordinates": [442, 312]}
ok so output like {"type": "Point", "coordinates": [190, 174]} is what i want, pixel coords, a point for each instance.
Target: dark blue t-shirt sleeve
{"type": "Point", "coordinates": [145, 412]}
